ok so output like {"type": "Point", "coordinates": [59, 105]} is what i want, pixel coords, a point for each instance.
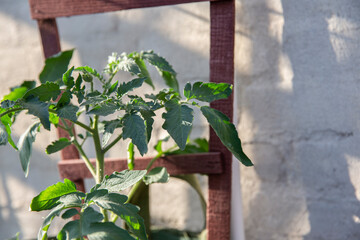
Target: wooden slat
{"type": "Point", "coordinates": [43, 9]}
{"type": "Point", "coordinates": [222, 15]}
{"type": "Point", "coordinates": [203, 163]}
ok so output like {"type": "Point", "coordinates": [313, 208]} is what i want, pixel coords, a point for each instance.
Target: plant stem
{"type": "Point", "coordinates": [10, 111]}
{"type": "Point", "coordinates": [84, 126]}
{"type": "Point", "coordinates": [116, 140]}
{"type": "Point", "coordinates": [79, 148]}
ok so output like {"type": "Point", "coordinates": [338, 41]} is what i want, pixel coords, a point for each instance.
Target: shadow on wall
{"type": "Point", "coordinates": [302, 96]}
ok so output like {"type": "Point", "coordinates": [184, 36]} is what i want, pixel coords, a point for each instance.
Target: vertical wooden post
{"type": "Point", "coordinates": [222, 15]}
{"type": "Point", "coordinates": [51, 45]}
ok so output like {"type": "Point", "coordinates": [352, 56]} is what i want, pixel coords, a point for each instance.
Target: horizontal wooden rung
{"type": "Point", "coordinates": [204, 163]}
{"type": "Point", "coordinates": [45, 9]}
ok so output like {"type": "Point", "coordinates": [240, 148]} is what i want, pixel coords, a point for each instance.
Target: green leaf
{"type": "Point", "coordinates": [57, 145]}
{"type": "Point", "coordinates": [227, 133]}
{"type": "Point", "coordinates": [44, 92]}
{"type": "Point", "coordinates": [113, 87]}
{"type": "Point", "coordinates": [129, 86]}
{"type": "Point", "coordinates": [135, 129]}
{"type": "Point", "coordinates": [68, 79]}
{"type": "Point", "coordinates": [7, 104]}
{"type": "Point", "coordinates": [48, 198]}
{"type": "Point", "coordinates": [156, 175]}
{"type": "Point", "coordinates": [3, 135]}
{"type": "Point", "coordinates": [91, 71]}
{"type": "Point", "coordinates": [197, 146]}
{"type": "Point", "coordinates": [38, 109]}
{"type": "Point", "coordinates": [149, 121]}
{"type": "Point", "coordinates": [25, 146]}
{"type": "Point", "coordinates": [119, 181]}
{"type": "Point", "coordinates": [104, 109]}
{"type": "Point", "coordinates": [157, 61]}
{"type": "Point", "coordinates": [42, 235]}
{"type": "Point", "coordinates": [107, 231]}
{"type": "Point", "coordinates": [170, 80]}
{"type": "Point", "coordinates": [69, 213]}
{"type": "Point", "coordinates": [144, 71]}
{"type": "Point", "coordinates": [55, 67]}
{"type": "Point", "coordinates": [116, 203]}
{"type": "Point", "coordinates": [178, 122]}
{"type": "Point", "coordinates": [64, 100]}
{"type": "Point", "coordinates": [68, 112]}
{"type": "Point", "coordinates": [129, 65]}
{"type": "Point", "coordinates": [207, 92]}
{"type": "Point", "coordinates": [109, 128]}
{"type": "Point", "coordinates": [16, 94]}
{"type": "Point", "coordinates": [7, 122]}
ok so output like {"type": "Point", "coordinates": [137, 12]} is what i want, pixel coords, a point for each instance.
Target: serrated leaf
{"type": "Point", "coordinates": [156, 175]}
{"type": "Point", "coordinates": [227, 133]}
{"type": "Point", "coordinates": [126, 211]}
{"type": "Point", "coordinates": [64, 100]}
{"type": "Point", "coordinates": [144, 71]}
{"type": "Point", "coordinates": [48, 198]}
{"type": "Point", "coordinates": [94, 100]}
{"type": "Point", "coordinates": [68, 79]}
{"type": "Point", "coordinates": [148, 117]}
{"type": "Point", "coordinates": [178, 122]}
{"type": "Point", "coordinates": [113, 87]}
{"type": "Point", "coordinates": [25, 146]}
{"type": "Point", "coordinates": [157, 61]}
{"type": "Point", "coordinates": [7, 104]}
{"type": "Point", "coordinates": [91, 71]}
{"type": "Point", "coordinates": [104, 109]}
{"type": "Point", "coordinates": [129, 65]}
{"type": "Point", "coordinates": [38, 109]}
{"type": "Point", "coordinates": [129, 86]}
{"type": "Point", "coordinates": [135, 129]}
{"type": "Point", "coordinates": [68, 112]}
{"type": "Point", "coordinates": [3, 135]}
{"type": "Point", "coordinates": [55, 67]}
{"type": "Point", "coordinates": [119, 181]}
{"type": "Point", "coordinates": [109, 128]}
{"type": "Point", "coordinates": [57, 145]}
{"type": "Point", "coordinates": [69, 213]}
{"type": "Point", "coordinates": [44, 92]}
{"type": "Point", "coordinates": [207, 92]}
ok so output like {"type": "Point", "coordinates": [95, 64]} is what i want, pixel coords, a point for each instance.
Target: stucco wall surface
{"type": "Point", "coordinates": [297, 102]}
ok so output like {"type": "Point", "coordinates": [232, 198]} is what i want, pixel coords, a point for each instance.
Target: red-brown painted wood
{"type": "Point", "coordinates": [51, 45]}
{"type": "Point", "coordinates": [203, 163]}
{"type": "Point", "coordinates": [222, 15]}
{"type": "Point", "coordinates": [43, 9]}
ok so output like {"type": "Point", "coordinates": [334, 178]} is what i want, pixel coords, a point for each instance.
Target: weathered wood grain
{"type": "Point", "coordinates": [222, 15]}
{"type": "Point", "coordinates": [44, 9]}
{"type": "Point", "coordinates": [204, 163]}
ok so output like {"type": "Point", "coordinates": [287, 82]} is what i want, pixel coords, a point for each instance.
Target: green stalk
{"type": "Point", "coordinates": [10, 111]}
{"type": "Point", "coordinates": [100, 165]}
{"type": "Point", "coordinates": [108, 147]}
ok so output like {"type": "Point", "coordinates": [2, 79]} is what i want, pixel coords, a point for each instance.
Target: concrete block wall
{"type": "Point", "coordinates": [297, 101]}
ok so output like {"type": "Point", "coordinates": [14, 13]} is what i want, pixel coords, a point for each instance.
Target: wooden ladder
{"type": "Point", "coordinates": [217, 163]}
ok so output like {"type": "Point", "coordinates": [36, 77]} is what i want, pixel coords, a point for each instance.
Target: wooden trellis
{"type": "Point", "coordinates": [217, 163]}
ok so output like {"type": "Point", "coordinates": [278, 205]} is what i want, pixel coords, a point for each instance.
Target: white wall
{"type": "Point", "coordinates": [297, 91]}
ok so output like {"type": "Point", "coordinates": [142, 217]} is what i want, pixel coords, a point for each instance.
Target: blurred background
{"type": "Point", "coordinates": [297, 82]}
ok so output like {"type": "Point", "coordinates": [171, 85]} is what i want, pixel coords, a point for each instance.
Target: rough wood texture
{"type": "Point", "coordinates": [204, 163]}
{"type": "Point", "coordinates": [43, 9]}
{"type": "Point", "coordinates": [222, 16]}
